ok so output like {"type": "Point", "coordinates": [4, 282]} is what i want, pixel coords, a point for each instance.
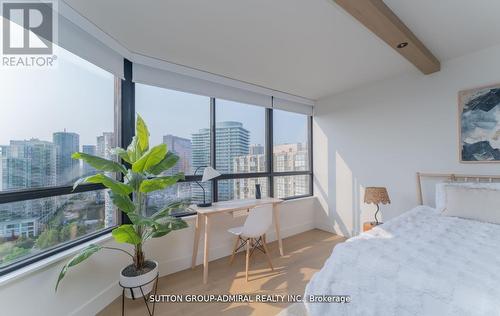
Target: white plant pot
{"type": "Point", "coordinates": [146, 280]}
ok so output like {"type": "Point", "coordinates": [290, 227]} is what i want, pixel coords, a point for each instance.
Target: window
{"type": "Point", "coordinates": [290, 150]}
{"type": "Point", "coordinates": [289, 186]}
{"type": "Point", "coordinates": [33, 226]}
{"type": "Point", "coordinates": [291, 154]}
{"type": "Point", "coordinates": [240, 137]}
{"type": "Point", "coordinates": [180, 120]}
{"type": "Point", "coordinates": [46, 116]}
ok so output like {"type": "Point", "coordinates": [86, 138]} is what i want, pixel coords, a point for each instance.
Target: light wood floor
{"type": "Point", "coordinates": [305, 254]}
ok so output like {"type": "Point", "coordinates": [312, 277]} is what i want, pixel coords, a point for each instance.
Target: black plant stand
{"type": "Point", "coordinates": [151, 312]}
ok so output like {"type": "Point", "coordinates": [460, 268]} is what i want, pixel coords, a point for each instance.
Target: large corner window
{"type": "Point", "coordinates": [254, 147]}
{"type": "Point", "coordinates": [46, 116]}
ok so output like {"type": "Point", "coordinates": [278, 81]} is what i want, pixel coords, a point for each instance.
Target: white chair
{"type": "Point", "coordinates": [253, 234]}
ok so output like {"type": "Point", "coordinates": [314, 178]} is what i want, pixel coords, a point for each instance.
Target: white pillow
{"type": "Point", "coordinates": [481, 204]}
{"type": "Point", "coordinates": [441, 194]}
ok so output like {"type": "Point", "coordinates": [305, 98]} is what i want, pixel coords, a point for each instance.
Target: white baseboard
{"type": "Point", "coordinates": [110, 293]}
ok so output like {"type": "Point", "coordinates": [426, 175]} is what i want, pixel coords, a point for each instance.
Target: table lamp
{"type": "Point", "coordinates": [209, 173]}
{"type": "Point", "coordinates": [377, 195]}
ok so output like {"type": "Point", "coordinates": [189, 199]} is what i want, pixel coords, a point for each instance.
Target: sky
{"type": "Point", "coordinates": [79, 97]}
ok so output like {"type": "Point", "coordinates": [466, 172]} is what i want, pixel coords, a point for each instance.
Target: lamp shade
{"type": "Point", "coordinates": [209, 173]}
{"type": "Point", "coordinates": [377, 195]}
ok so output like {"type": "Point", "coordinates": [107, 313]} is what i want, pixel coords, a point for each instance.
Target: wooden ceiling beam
{"type": "Point", "coordinates": [379, 18]}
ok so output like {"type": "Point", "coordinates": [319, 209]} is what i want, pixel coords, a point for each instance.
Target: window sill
{"type": "Point", "coordinates": [22, 272]}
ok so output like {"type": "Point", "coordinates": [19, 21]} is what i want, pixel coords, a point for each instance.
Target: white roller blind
{"type": "Point", "coordinates": [292, 106]}
{"type": "Point", "coordinates": [81, 43]}
{"type": "Point", "coordinates": [181, 82]}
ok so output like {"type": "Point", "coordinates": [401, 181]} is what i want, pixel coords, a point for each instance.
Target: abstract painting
{"type": "Point", "coordinates": [479, 113]}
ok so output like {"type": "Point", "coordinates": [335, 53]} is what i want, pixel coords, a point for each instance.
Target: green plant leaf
{"type": "Point", "coordinates": [141, 130]}
{"type": "Point", "coordinates": [134, 179]}
{"type": "Point", "coordinates": [126, 234]}
{"type": "Point", "coordinates": [123, 202]}
{"type": "Point", "coordinates": [151, 158]}
{"type": "Point", "coordinates": [133, 150]}
{"type": "Point", "coordinates": [168, 162]}
{"type": "Point", "coordinates": [168, 209]}
{"type": "Point", "coordinates": [81, 256]}
{"type": "Point", "coordinates": [138, 219]}
{"type": "Point", "coordinates": [122, 153]}
{"type": "Point", "coordinates": [100, 163]}
{"type": "Point", "coordinates": [115, 186]}
{"type": "Point", "coordinates": [159, 183]}
{"type": "Point", "coordinates": [160, 231]}
{"type": "Point", "coordinates": [167, 225]}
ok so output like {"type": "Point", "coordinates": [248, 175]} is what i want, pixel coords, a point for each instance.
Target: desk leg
{"type": "Point", "coordinates": [196, 240]}
{"type": "Point", "coordinates": [205, 256]}
{"type": "Point", "coordinates": [277, 227]}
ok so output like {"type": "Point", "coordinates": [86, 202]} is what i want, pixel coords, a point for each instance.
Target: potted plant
{"type": "Point", "coordinates": [142, 174]}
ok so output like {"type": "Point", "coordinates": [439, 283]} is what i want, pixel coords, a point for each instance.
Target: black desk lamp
{"type": "Point", "coordinates": [209, 173]}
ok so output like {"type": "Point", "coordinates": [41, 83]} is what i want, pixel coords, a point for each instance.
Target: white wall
{"type": "Point", "coordinates": [94, 284]}
{"type": "Point", "coordinates": [382, 134]}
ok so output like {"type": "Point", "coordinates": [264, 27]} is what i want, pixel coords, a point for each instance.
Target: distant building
{"type": "Point", "coordinates": [26, 227]}
{"type": "Point", "coordinates": [182, 148]}
{"type": "Point", "coordinates": [256, 150]}
{"type": "Point", "coordinates": [27, 164]}
{"type": "Point", "coordinates": [291, 157]}
{"type": "Point", "coordinates": [287, 157]}
{"type": "Point", "coordinates": [232, 141]}
{"type": "Point", "coordinates": [86, 168]}
{"type": "Point", "coordinates": [67, 168]}
{"type": "Point", "coordinates": [105, 143]}
{"type": "Point", "coordinates": [255, 161]}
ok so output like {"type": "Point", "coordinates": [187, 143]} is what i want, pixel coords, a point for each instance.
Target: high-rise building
{"type": "Point", "coordinates": [232, 141]}
{"type": "Point", "coordinates": [256, 149]}
{"type": "Point", "coordinates": [182, 148]}
{"type": "Point", "coordinates": [291, 157]}
{"type": "Point", "coordinates": [67, 168]}
{"type": "Point", "coordinates": [26, 164]}
{"type": "Point", "coordinates": [105, 143]}
{"type": "Point", "coordinates": [86, 168]}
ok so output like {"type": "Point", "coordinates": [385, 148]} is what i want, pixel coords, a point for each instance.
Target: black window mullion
{"type": "Point", "coordinates": [213, 147]}
{"type": "Point", "coordinates": [269, 149]}
{"type": "Point", "coordinates": [127, 115]}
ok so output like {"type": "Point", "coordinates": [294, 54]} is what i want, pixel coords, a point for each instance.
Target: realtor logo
{"type": "Point", "coordinates": [29, 31]}
{"type": "Point", "coordinates": [27, 28]}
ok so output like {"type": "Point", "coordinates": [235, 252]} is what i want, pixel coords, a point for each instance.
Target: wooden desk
{"type": "Point", "coordinates": [204, 217]}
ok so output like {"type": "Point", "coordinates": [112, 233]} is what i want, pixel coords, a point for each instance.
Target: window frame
{"type": "Point", "coordinates": [124, 123]}
{"type": "Point", "coordinates": [270, 174]}
{"type": "Point", "coordinates": [120, 88]}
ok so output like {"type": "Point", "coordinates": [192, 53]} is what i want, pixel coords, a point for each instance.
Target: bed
{"type": "Point", "coordinates": [420, 263]}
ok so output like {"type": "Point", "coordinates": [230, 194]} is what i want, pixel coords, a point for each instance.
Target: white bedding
{"type": "Point", "coordinates": [420, 263]}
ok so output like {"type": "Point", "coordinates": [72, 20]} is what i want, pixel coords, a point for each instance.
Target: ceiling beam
{"type": "Point", "coordinates": [379, 18]}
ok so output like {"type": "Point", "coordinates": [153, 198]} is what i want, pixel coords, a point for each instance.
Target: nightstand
{"type": "Point", "coordinates": [369, 225]}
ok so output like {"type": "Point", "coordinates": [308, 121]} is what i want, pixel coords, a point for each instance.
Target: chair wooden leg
{"type": "Point", "coordinates": [247, 258]}
{"type": "Point", "coordinates": [264, 244]}
{"type": "Point", "coordinates": [234, 249]}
